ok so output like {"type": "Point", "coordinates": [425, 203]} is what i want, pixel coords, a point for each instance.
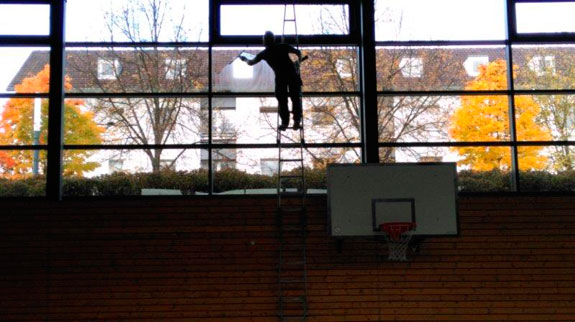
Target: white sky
{"type": "Point", "coordinates": [420, 20]}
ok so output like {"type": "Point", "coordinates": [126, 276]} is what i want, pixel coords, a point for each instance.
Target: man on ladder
{"type": "Point", "coordinates": [287, 78]}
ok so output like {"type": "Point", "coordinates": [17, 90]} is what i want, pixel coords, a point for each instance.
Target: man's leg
{"type": "Point", "coordinates": [282, 97]}
{"type": "Point", "coordinates": [295, 96]}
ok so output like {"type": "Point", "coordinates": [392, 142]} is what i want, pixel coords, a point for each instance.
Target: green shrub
{"type": "Point", "coordinates": [190, 182]}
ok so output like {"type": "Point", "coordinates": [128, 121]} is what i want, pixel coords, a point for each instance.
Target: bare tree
{"type": "Point", "coordinates": [172, 118]}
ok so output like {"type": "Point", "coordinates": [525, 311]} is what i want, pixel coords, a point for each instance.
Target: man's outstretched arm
{"type": "Point", "coordinates": [252, 61]}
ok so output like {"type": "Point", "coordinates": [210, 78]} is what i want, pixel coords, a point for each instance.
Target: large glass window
{"type": "Point", "coordinates": [405, 20]}
{"type": "Point", "coordinates": [158, 101]}
{"type": "Point", "coordinates": [309, 19]}
{"type": "Point", "coordinates": [24, 19]}
{"type": "Point", "coordinates": [137, 21]}
{"type": "Point", "coordinates": [545, 17]}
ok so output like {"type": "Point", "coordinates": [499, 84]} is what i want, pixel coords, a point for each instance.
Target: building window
{"type": "Point", "coordinates": [411, 67]}
{"type": "Point", "coordinates": [221, 158]}
{"type": "Point", "coordinates": [430, 158]}
{"type": "Point", "coordinates": [269, 167]}
{"type": "Point", "coordinates": [542, 64]}
{"type": "Point", "coordinates": [168, 164]}
{"type": "Point", "coordinates": [268, 109]}
{"type": "Point", "coordinates": [115, 165]}
{"type": "Point", "coordinates": [242, 70]}
{"type": "Point", "coordinates": [108, 68]}
{"type": "Point", "coordinates": [219, 103]}
{"type": "Point", "coordinates": [343, 67]}
{"type": "Point", "coordinates": [472, 64]}
{"type": "Point", "coordinates": [175, 68]}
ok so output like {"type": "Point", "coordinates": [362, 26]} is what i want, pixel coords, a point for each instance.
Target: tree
{"type": "Point", "coordinates": [16, 128]}
{"type": "Point", "coordinates": [143, 69]}
{"type": "Point", "coordinates": [552, 68]}
{"type": "Point", "coordinates": [485, 118]}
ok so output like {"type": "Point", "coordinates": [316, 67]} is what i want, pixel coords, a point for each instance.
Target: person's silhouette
{"type": "Point", "coordinates": [287, 78]}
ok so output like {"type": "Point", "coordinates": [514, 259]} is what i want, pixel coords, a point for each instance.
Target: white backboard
{"type": "Point", "coordinates": [361, 197]}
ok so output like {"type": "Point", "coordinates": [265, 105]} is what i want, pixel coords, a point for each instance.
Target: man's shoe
{"type": "Point", "coordinates": [283, 127]}
{"type": "Point", "coordinates": [297, 125]}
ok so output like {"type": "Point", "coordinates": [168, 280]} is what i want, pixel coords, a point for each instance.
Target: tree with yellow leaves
{"type": "Point", "coordinates": [486, 118]}
{"type": "Point", "coordinates": [17, 128]}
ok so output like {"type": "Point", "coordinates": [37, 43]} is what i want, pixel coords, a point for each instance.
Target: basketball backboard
{"type": "Point", "coordinates": [362, 197]}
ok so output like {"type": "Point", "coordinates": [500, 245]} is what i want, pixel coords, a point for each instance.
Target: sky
{"type": "Point", "coordinates": [396, 20]}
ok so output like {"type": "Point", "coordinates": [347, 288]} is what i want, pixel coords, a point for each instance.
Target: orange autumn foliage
{"type": "Point", "coordinates": [17, 128]}
{"type": "Point", "coordinates": [486, 118]}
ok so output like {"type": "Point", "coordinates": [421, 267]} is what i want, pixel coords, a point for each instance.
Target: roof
{"type": "Point", "coordinates": [143, 70]}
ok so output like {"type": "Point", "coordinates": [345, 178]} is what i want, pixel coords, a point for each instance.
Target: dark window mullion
{"type": "Point", "coordinates": [511, 31]}
{"type": "Point", "coordinates": [56, 102]}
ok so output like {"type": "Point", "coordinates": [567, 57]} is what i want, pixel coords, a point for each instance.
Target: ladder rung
{"type": "Point", "coordinates": [290, 160]}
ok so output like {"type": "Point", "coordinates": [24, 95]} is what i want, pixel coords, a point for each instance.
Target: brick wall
{"type": "Point", "coordinates": [215, 260]}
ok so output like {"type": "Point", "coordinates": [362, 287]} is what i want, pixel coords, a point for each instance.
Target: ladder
{"type": "Point", "coordinates": [291, 215]}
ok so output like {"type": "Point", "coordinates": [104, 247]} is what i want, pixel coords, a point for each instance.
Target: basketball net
{"type": "Point", "coordinates": [398, 235]}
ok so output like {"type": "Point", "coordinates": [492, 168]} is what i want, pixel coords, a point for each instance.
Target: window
{"type": "Point", "coordinates": [411, 67]}
{"type": "Point", "coordinates": [115, 165]}
{"type": "Point", "coordinates": [268, 109]}
{"type": "Point", "coordinates": [221, 158]}
{"type": "Point", "coordinates": [318, 19]}
{"type": "Point", "coordinates": [168, 164]}
{"type": "Point", "coordinates": [472, 64]}
{"type": "Point", "coordinates": [343, 67]}
{"type": "Point", "coordinates": [269, 167]}
{"type": "Point", "coordinates": [220, 103]}
{"type": "Point", "coordinates": [108, 68]}
{"type": "Point", "coordinates": [542, 64]}
{"type": "Point", "coordinates": [175, 68]}
{"type": "Point", "coordinates": [545, 17]}
{"type": "Point", "coordinates": [430, 158]}
{"type": "Point", "coordinates": [25, 19]}
{"type": "Point", "coordinates": [242, 70]}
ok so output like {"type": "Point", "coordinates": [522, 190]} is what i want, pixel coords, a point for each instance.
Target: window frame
{"type": "Point", "coordinates": [354, 35]}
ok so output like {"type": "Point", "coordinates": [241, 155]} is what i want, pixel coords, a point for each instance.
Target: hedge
{"type": "Point", "coordinates": [196, 182]}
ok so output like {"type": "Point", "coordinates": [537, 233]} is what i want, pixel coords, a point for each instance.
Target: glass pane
{"type": "Point", "coordinates": [547, 168]}
{"type": "Point", "coordinates": [24, 70]}
{"type": "Point", "coordinates": [133, 172]}
{"type": "Point", "coordinates": [545, 117]}
{"type": "Point", "coordinates": [22, 173]}
{"type": "Point", "coordinates": [244, 171]}
{"type": "Point", "coordinates": [254, 120]}
{"type": "Point", "coordinates": [140, 120]}
{"type": "Point", "coordinates": [440, 68]}
{"type": "Point", "coordinates": [439, 20]}
{"type": "Point", "coordinates": [24, 121]}
{"type": "Point", "coordinates": [137, 20]}
{"type": "Point", "coordinates": [545, 17]}
{"type": "Point", "coordinates": [254, 171]}
{"type": "Point", "coordinates": [479, 169]}
{"type": "Point", "coordinates": [24, 19]}
{"type": "Point", "coordinates": [125, 70]}
{"type": "Point", "coordinates": [443, 118]}
{"type": "Point", "coordinates": [311, 19]}
{"type": "Point", "coordinates": [544, 66]}
{"type": "Point", "coordinates": [328, 69]}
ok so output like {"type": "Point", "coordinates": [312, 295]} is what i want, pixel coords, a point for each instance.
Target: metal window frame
{"type": "Point", "coordinates": [362, 36]}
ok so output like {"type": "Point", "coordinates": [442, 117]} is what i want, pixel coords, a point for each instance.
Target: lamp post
{"type": "Point", "coordinates": [36, 132]}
